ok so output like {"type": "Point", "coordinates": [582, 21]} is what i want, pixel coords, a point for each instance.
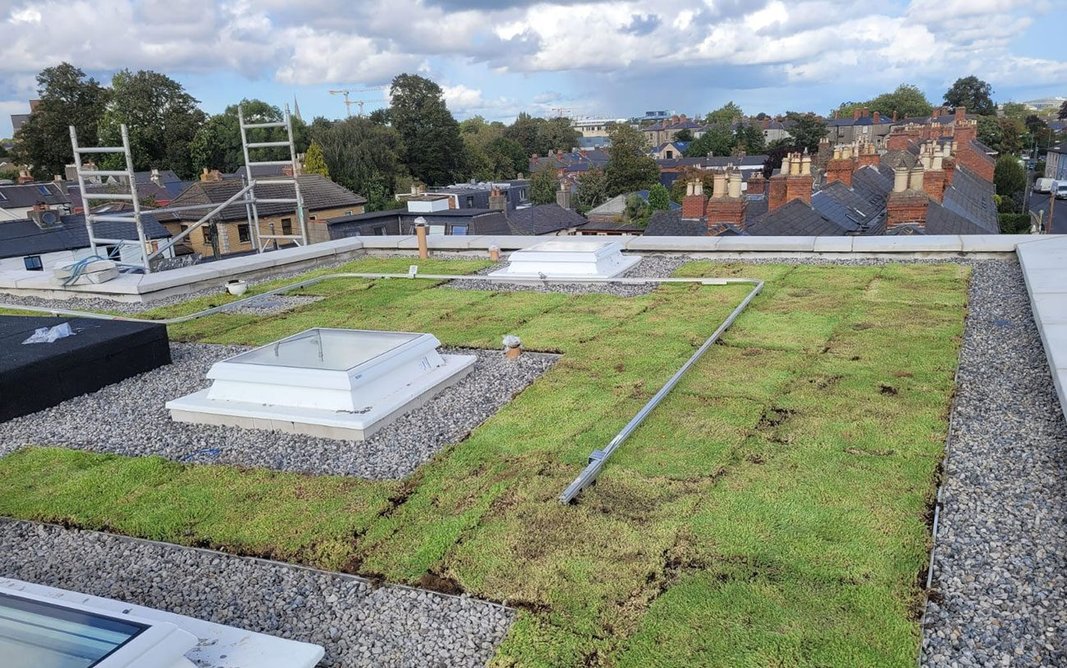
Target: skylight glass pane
{"type": "Point", "coordinates": [331, 350]}
{"type": "Point", "coordinates": [34, 634]}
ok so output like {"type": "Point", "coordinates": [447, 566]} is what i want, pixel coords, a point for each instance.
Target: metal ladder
{"type": "Point", "coordinates": [129, 196]}
{"type": "Point", "coordinates": [259, 240]}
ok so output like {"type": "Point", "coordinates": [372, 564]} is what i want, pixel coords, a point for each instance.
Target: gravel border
{"type": "Point", "coordinates": [130, 418]}
{"type": "Point", "coordinates": [999, 594]}
{"type": "Point", "coordinates": [358, 623]}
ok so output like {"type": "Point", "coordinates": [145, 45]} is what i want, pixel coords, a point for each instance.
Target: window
{"type": "Point", "coordinates": [3, 196]}
{"type": "Point", "coordinates": [459, 229]}
{"type": "Point", "coordinates": [348, 213]}
{"type": "Point", "coordinates": [287, 225]}
{"type": "Point", "coordinates": [379, 231]}
{"type": "Point", "coordinates": [44, 190]}
{"type": "Point", "coordinates": [33, 263]}
{"type": "Point", "coordinates": [437, 229]}
{"type": "Point", "coordinates": [242, 234]}
{"type": "Point", "coordinates": [470, 201]}
{"type": "Point", "coordinates": [312, 217]}
{"type": "Point", "coordinates": [208, 235]}
{"type": "Point", "coordinates": [670, 154]}
{"type": "Point", "coordinates": [43, 634]}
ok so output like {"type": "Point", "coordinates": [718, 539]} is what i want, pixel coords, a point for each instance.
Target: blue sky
{"type": "Point", "coordinates": [588, 58]}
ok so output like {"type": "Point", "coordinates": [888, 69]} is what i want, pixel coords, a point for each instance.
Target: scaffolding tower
{"type": "Point", "coordinates": [148, 252]}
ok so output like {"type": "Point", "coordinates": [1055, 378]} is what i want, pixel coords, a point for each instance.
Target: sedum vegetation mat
{"type": "Point", "coordinates": [771, 512]}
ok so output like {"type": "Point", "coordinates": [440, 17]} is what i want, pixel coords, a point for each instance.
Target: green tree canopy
{"type": "Point", "coordinates": [68, 98]}
{"type": "Point", "coordinates": [1010, 180]}
{"type": "Point", "coordinates": [432, 147]}
{"type": "Point", "coordinates": [489, 154]}
{"type": "Point", "coordinates": [750, 139]}
{"type": "Point", "coordinates": [685, 134]}
{"type": "Point", "coordinates": [592, 190]}
{"type": "Point", "coordinates": [314, 162]}
{"type": "Point", "coordinates": [1063, 111]}
{"type": "Point", "coordinates": [365, 157]}
{"type": "Point", "coordinates": [659, 198]}
{"type": "Point", "coordinates": [629, 167]}
{"type": "Point", "coordinates": [726, 114]}
{"type": "Point", "coordinates": [906, 100]}
{"type": "Point", "coordinates": [543, 186]}
{"type": "Point", "coordinates": [973, 93]}
{"type": "Point", "coordinates": [162, 120]}
{"type": "Point", "coordinates": [217, 143]}
{"type": "Point", "coordinates": [526, 130]}
{"type": "Point", "coordinates": [1015, 110]}
{"type": "Point", "coordinates": [558, 134]}
{"type": "Point", "coordinates": [718, 139]}
{"type": "Point", "coordinates": [807, 130]}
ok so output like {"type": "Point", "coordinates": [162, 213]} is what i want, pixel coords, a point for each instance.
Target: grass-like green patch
{"type": "Point", "coordinates": [771, 512]}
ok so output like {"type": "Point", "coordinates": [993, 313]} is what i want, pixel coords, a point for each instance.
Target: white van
{"type": "Point", "coordinates": [1061, 189]}
{"type": "Point", "coordinates": [1043, 185]}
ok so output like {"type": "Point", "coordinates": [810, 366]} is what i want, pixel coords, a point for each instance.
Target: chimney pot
{"type": "Point", "coordinates": [900, 179]}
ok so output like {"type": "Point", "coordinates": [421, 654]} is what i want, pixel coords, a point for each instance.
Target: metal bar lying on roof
{"type": "Point", "coordinates": [599, 458]}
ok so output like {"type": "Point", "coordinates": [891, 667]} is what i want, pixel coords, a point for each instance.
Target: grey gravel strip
{"type": "Point", "coordinates": [130, 418]}
{"type": "Point", "coordinates": [999, 593]}
{"type": "Point", "coordinates": [358, 623]}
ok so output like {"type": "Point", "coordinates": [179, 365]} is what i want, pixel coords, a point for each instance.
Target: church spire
{"type": "Point", "coordinates": [296, 109]}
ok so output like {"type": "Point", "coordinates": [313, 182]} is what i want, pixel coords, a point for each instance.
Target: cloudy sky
{"type": "Point", "coordinates": [498, 57]}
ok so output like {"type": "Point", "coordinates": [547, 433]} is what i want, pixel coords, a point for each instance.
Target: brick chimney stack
{"type": "Point", "coordinates": [794, 181]}
{"type": "Point", "coordinates": [934, 178]}
{"type": "Point", "coordinates": [841, 165]}
{"type": "Point", "coordinates": [498, 201]}
{"type": "Point", "coordinates": [757, 185]}
{"type": "Point", "coordinates": [727, 203]}
{"type": "Point", "coordinates": [876, 118]}
{"type": "Point", "coordinates": [694, 202]}
{"type": "Point", "coordinates": [868, 155]}
{"type": "Point", "coordinates": [961, 114]}
{"type": "Point", "coordinates": [908, 202]}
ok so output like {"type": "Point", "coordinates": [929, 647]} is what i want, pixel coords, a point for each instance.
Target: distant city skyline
{"type": "Point", "coordinates": [578, 58]}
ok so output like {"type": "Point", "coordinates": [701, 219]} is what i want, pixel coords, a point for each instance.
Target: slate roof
{"type": "Point", "coordinates": [972, 198]}
{"type": "Point", "coordinates": [671, 224]}
{"type": "Point", "coordinates": [319, 193]}
{"type": "Point", "coordinates": [26, 195]}
{"type": "Point", "coordinates": [24, 237]}
{"type": "Point", "coordinates": [847, 209]}
{"type": "Point", "coordinates": [873, 184]}
{"type": "Point", "coordinates": [260, 171]}
{"type": "Point", "coordinates": [794, 218]}
{"type": "Point", "coordinates": [544, 219]}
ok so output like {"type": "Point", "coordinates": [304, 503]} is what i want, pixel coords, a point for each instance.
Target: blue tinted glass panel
{"type": "Point", "coordinates": [42, 635]}
{"type": "Point", "coordinates": [459, 229]}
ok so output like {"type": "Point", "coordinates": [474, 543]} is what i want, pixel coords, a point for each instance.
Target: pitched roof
{"type": "Point", "coordinates": [26, 195]}
{"type": "Point", "coordinates": [794, 218]}
{"type": "Point", "coordinates": [318, 192]}
{"type": "Point", "coordinates": [671, 224]}
{"type": "Point", "coordinates": [24, 237]}
{"type": "Point", "coordinates": [873, 184]}
{"type": "Point", "coordinates": [544, 219]}
{"type": "Point", "coordinates": [847, 209]}
{"type": "Point", "coordinates": [972, 198]}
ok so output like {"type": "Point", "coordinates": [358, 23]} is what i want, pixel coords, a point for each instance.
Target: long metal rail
{"type": "Point", "coordinates": [598, 459]}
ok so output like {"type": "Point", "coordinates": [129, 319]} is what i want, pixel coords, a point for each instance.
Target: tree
{"type": "Point", "coordinates": [162, 120]}
{"type": "Point", "coordinates": [807, 130]}
{"type": "Point", "coordinates": [973, 93]}
{"type": "Point", "coordinates": [592, 190]}
{"type": "Point", "coordinates": [1063, 111]}
{"type": "Point", "coordinates": [718, 139]}
{"type": "Point", "coordinates": [314, 162]}
{"type": "Point", "coordinates": [432, 147]}
{"type": "Point", "coordinates": [750, 139]}
{"type": "Point", "coordinates": [543, 186]}
{"type": "Point", "coordinates": [728, 113]}
{"type": "Point", "coordinates": [1010, 180]}
{"type": "Point", "coordinates": [1014, 110]}
{"type": "Point", "coordinates": [319, 125]}
{"type": "Point", "coordinates": [659, 198]}
{"type": "Point", "coordinates": [489, 154]}
{"type": "Point", "coordinates": [507, 158]}
{"type": "Point", "coordinates": [558, 134]}
{"type": "Point", "coordinates": [685, 134]}
{"type": "Point", "coordinates": [526, 130]}
{"type": "Point", "coordinates": [637, 211]}
{"type": "Point", "coordinates": [629, 167]}
{"type": "Point", "coordinates": [906, 100]}
{"type": "Point", "coordinates": [989, 131]}
{"type": "Point", "coordinates": [67, 98]}
{"type": "Point", "coordinates": [364, 157]}
{"type": "Point", "coordinates": [217, 143]}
